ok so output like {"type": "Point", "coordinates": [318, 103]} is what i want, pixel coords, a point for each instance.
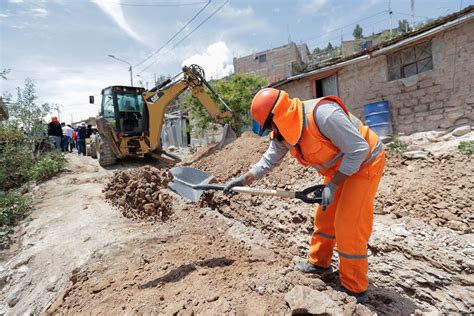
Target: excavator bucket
{"type": "Point", "coordinates": [228, 136]}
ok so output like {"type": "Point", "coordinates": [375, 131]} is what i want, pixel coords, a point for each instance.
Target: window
{"type": "Point", "coordinates": [410, 61]}
{"type": "Point", "coordinates": [130, 102]}
{"type": "Point", "coordinates": [108, 105]}
{"type": "Point", "coordinates": [326, 86]}
{"type": "Point", "coordinates": [262, 58]}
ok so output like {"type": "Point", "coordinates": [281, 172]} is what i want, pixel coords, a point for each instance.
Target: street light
{"type": "Point", "coordinates": [146, 81]}
{"type": "Point", "coordinates": [129, 69]}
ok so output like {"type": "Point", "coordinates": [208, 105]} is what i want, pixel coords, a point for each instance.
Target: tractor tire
{"type": "Point", "coordinates": [94, 147]}
{"type": "Point", "coordinates": [104, 154]}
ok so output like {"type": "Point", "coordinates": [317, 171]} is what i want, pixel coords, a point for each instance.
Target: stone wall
{"type": "Point", "coordinates": [440, 98]}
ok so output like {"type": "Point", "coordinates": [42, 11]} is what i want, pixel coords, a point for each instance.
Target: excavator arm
{"type": "Point", "coordinates": [160, 97]}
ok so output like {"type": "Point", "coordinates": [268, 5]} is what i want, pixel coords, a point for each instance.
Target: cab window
{"type": "Point", "coordinates": [130, 102]}
{"type": "Point", "coordinates": [108, 105]}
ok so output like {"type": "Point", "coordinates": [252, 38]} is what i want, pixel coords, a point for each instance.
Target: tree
{"type": "Point", "coordinates": [26, 114]}
{"type": "Point", "coordinates": [238, 91]}
{"type": "Point", "coordinates": [403, 26]}
{"type": "Point", "coordinates": [4, 73]}
{"type": "Point", "coordinates": [329, 48]}
{"type": "Point", "coordinates": [357, 32]}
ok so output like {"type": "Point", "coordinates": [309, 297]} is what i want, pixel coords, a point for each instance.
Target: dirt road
{"type": "Point", "coordinates": [235, 256]}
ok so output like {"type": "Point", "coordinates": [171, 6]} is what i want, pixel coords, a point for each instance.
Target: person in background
{"type": "Point", "coordinates": [74, 139]}
{"type": "Point", "coordinates": [81, 138]}
{"type": "Point", "coordinates": [67, 137]}
{"type": "Point", "coordinates": [55, 132]}
{"type": "Point", "coordinates": [89, 131]}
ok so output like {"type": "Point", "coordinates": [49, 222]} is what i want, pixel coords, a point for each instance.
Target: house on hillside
{"type": "Point", "coordinates": [275, 64]}
{"type": "Point", "coordinates": [426, 75]}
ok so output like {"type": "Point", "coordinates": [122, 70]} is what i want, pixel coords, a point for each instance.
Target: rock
{"type": "Point", "coordinates": [304, 300]}
{"type": "Point", "coordinates": [462, 130]}
{"type": "Point", "coordinates": [13, 298]}
{"type": "Point", "coordinates": [213, 298]}
{"type": "Point", "coordinates": [399, 230]}
{"type": "Point", "coordinates": [414, 148]}
{"type": "Point", "coordinates": [171, 148]}
{"type": "Point", "coordinates": [3, 281]}
{"type": "Point", "coordinates": [416, 154]}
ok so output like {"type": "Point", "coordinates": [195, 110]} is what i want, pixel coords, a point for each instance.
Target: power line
{"type": "Point", "coordinates": [155, 4]}
{"type": "Point", "coordinates": [187, 35]}
{"type": "Point", "coordinates": [176, 34]}
{"type": "Point", "coordinates": [417, 16]}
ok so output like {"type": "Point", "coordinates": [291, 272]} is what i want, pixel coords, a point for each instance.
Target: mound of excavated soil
{"type": "Point", "coordinates": [138, 193]}
{"type": "Point", "coordinates": [436, 190]}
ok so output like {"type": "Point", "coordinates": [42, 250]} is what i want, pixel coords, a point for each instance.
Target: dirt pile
{"type": "Point", "coordinates": [436, 190]}
{"type": "Point", "coordinates": [140, 193]}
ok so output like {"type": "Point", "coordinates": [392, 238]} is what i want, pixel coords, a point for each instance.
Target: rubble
{"type": "Point", "coordinates": [140, 193]}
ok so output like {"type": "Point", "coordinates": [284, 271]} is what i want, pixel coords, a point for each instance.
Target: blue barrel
{"type": "Point", "coordinates": [256, 128]}
{"type": "Point", "coordinates": [377, 117]}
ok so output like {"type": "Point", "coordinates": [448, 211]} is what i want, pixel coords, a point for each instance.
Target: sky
{"type": "Point", "coordinates": [64, 45]}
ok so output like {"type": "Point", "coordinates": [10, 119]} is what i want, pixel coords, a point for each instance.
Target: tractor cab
{"type": "Point", "coordinates": [125, 109]}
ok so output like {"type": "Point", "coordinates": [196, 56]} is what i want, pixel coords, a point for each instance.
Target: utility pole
{"type": "Point", "coordinates": [390, 15]}
{"type": "Point", "coordinates": [412, 14]}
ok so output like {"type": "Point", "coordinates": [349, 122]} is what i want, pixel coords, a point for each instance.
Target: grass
{"type": "Point", "coordinates": [397, 146]}
{"type": "Point", "coordinates": [466, 147]}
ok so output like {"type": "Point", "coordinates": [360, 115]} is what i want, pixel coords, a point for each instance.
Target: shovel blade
{"type": "Point", "coordinates": [185, 179]}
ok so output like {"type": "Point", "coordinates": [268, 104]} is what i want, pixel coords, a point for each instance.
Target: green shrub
{"type": "Point", "coordinates": [15, 163]}
{"type": "Point", "coordinates": [13, 207]}
{"type": "Point", "coordinates": [466, 147]}
{"type": "Point", "coordinates": [46, 166]}
{"type": "Point", "coordinates": [397, 146]}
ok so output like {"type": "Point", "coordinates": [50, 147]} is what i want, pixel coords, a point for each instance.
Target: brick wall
{"type": "Point", "coordinates": [281, 63]}
{"type": "Point", "coordinates": [439, 98]}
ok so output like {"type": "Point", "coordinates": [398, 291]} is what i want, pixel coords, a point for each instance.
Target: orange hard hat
{"type": "Point", "coordinates": [54, 119]}
{"type": "Point", "coordinates": [262, 106]}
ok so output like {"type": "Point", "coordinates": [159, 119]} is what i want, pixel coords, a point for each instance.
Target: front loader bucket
{"type": "Point", "coordinates": [228, 136]}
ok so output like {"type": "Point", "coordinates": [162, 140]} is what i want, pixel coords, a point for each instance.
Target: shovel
{"type": "Point", "coordinates": [190, 183]}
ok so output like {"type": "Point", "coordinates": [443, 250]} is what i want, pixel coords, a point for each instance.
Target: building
{"type": "Point", "coordinates": [426, 75]}
{"type": "Point", "coordinates": [352, 47]}
{"type": "Point", "coordinates": [276, 63]}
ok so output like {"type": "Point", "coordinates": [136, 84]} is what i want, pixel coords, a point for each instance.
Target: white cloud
{"type": "Point", "coordinates": [116, 13]}
{"type": "Point", "coordinates": [216, 61]}
{"type": "Point", "coordinates": [3, 15]}
{"type": "Point", "coordinates": [276, 10]}
{"type": "Point", "coordinates": [15, 1]}
{"type": "Point", "coordinates": [311, 6]}
{"type": "Point", "coordinates": [229, 12]}
{"type": "Point", "coordinates": [39, 12]}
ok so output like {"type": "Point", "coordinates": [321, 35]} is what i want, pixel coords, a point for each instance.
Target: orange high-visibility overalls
{"type": "Point", "coordinates": [348, 220]}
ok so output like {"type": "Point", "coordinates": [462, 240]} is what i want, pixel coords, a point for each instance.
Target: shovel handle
{"type": "Point", "coordinates": [310, 195]}
{"type": "Point", "coordinates": [257, 191]}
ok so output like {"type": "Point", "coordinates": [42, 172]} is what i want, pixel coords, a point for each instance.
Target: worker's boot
{"type": "Point", "coordinates": [308, 267]}
{"type": "Point", "coordinates": [362, 297]}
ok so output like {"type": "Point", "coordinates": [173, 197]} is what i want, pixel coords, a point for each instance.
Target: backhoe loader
{"type": "Point", "coordinates": [131, 119]}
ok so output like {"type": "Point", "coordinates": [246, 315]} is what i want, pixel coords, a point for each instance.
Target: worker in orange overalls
{"type": "Point", "coordinates": [322, 134]}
